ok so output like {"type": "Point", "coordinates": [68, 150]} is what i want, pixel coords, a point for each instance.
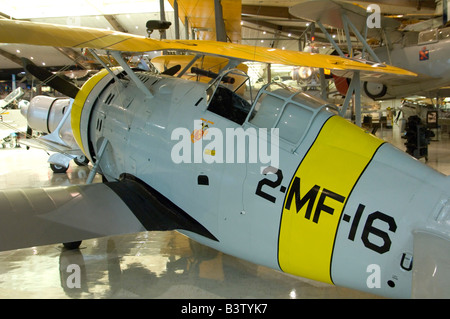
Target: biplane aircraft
{"type": "Point", "coordinates": [331, 202]}
{"type": "Point", "coordinates": [424, 53]}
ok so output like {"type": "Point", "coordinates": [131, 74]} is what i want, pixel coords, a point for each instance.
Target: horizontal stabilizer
{"type": "Point", "coordinates": [43, 216]}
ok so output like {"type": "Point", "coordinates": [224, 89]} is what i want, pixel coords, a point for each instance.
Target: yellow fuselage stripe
{"type": "Point", "coordinates": [78, 104]}
{"type": "Point", "coordinates": [317, 195]}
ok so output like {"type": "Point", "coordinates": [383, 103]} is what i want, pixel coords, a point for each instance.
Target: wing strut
{"type": "Point", "coordinates": [105, 66]}
{"type": "Point", "coordinates": [188, 66]}
{"type": "Point", "coordinates": [126, 68]}
{"type": "Point", "coordinates": [99, 156]}
{"type": "Point", "coordinates": [347, 22]}
{"type": "Point", "coordinates": [330, 38]}
{"type": "Point", "coordinates": [354, 88]}
{"type": "Point", "coordinates": [130, 73]}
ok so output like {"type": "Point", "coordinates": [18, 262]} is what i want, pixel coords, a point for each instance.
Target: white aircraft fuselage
{"type": "Point", "coordinates": [341, 206]}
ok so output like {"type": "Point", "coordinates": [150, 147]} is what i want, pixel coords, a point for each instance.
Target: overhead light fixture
{"type": "Point", "coordinates": [305, 72]}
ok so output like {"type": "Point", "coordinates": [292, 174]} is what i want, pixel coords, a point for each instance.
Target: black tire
{"type": "Point", "coordinates": [382, 91]}
{"type": "Point", "coordinates": [58, 168]}
{"type": "Point", "coordinates": [83, 162]}
{"type": "Point", "coordinates": [72, 245]}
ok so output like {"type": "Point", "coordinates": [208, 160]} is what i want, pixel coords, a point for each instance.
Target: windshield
{"type": "Point", "coordinates": [235, 80]}
{"type": "Point", "coordinates": [229, 96]}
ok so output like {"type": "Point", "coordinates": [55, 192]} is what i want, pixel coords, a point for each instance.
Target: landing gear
{"type": "Point", "coordinates": [58, 168]}
{"type": "Point", "coordinates": [72, 245]}
{"type": "Point", "coordinates": [81, 161]}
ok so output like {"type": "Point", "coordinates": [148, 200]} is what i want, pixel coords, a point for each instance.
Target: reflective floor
{"type": "Point", "coordinates": [150, 264]}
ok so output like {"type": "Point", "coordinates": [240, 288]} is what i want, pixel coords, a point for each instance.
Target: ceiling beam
{"type": "Point", "coordinates": [262, 23]}
{"type": "Point", "coordinates": [297, 33]}
{"type": "Point", "coordinates": [272, 17]}
{"type": "Point", "coordinates": [11, 57]}
{"type": "Point", "coordinates": [268, 11]}
{"type": "Point", "coordinates": [114, 23]}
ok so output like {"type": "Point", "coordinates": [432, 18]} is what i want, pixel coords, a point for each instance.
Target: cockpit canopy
{"type": "Point", "coordinates": [275, 106]}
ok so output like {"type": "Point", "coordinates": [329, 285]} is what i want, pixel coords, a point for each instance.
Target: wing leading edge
{"type": "Point", "coordinates": [43, 216]}
{"type": "Point", "coordinates": [33, 33]}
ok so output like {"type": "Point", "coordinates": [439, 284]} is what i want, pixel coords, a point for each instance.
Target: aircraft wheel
{"type": "Point", "coordinates": [83, 161]}
{"type": "Point", "coordinates": [374, 90]}
{"type": "Point", "coordinates": [72, 245]}
{"type": "Point", "coordinates": [58, 168]}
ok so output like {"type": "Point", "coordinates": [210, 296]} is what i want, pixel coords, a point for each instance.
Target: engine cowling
{"type": "Point", "coordinates": [44, 113]}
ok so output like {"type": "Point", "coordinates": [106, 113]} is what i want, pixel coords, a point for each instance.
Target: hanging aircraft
{"type": "Point", "coordinates": [10, 119]}
{"type": "Point", "coordinates": [12, 97]}
{"type": "Point", "coordinates": [331, 202]}
{"type": "Point", "coordinates": [424, 53]}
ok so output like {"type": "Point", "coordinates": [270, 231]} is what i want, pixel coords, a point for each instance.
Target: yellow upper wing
{"type": "Point", "coordinates": [13, 31]}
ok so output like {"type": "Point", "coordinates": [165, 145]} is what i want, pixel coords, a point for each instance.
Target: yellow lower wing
{"type": "Point", "coordinates": [13, 31]}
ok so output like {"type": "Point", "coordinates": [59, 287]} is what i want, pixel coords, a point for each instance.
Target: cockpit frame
{"type": "Point", "coordinates": [225, 96]}
{"type": "Point", "coordinates": [291, 98]}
